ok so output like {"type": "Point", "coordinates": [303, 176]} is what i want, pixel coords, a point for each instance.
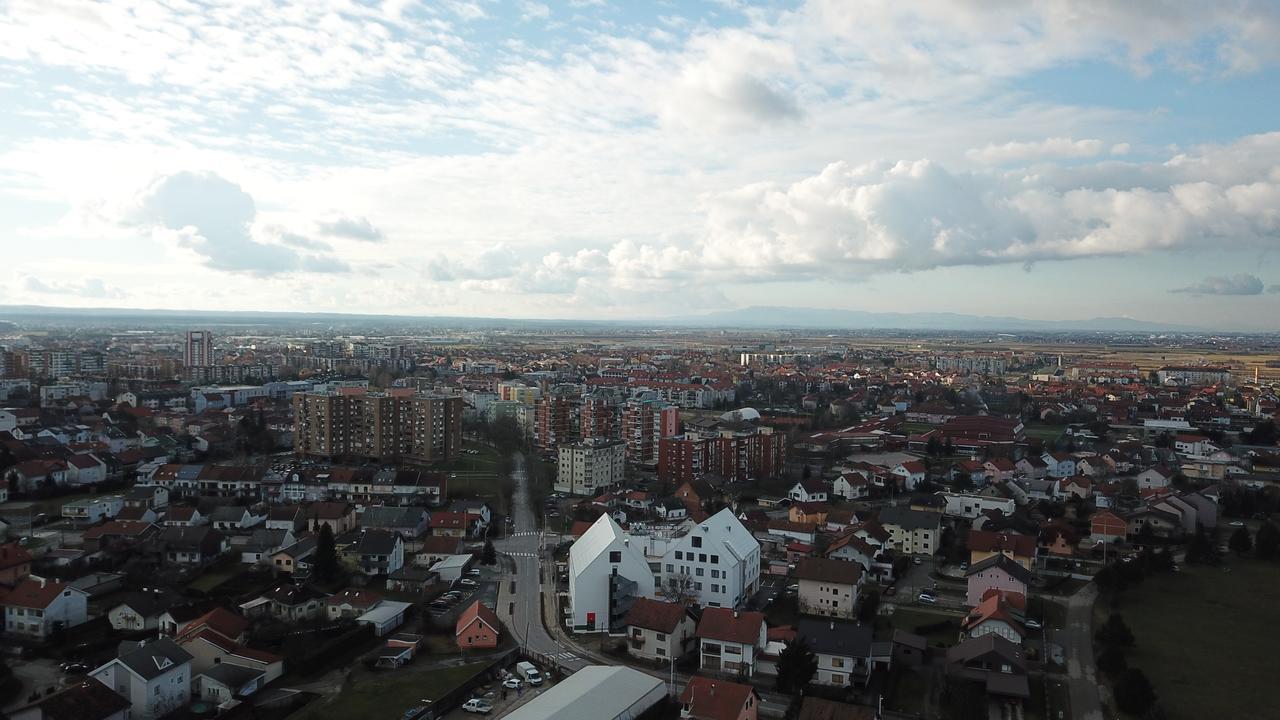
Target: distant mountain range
{"type": "Point", "coordinates": [822, 318]}
{"type": "Point", "coordinates": [756, 318]}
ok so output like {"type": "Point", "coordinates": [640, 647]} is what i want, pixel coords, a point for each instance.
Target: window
{"type": "Point", "coordinates": [837, 662]}
{"type": "Point", "coordinates": [702, 557]}
{"type": "Point", "coordinates": [715, 559]}
{"type": "Point", "coordinates": [679, 555]}
{"type": "Point", "coordinates": [671, 568]}
{"type": "Point", "coordinates": [697, 586]}
{"type": "Point", "coordinates": [698, 572]}
{"type": "Point", "coordinates": [697, 541]}
{"type": "Point", "coordinates": [615, 556]}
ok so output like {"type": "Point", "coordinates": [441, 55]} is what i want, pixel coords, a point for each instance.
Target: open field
{"type": "Point", "coordinates": [1207, 638]}
{"type": "Point", "coordinates": [1047, 433]}
{"type": "Point", "coordinates": [388, 693]}
{"type": "Point", "coordinates": [908, 619]}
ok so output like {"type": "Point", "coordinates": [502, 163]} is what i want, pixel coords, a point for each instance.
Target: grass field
{"type": "Point", "coordinates": [210, 580]}
{"type": "Point", "coordinates": [388, 694]}
{"type": "Point", "coordinates": [1207, 638]}
{"type": "Point", "coordinates": [908, 619]}
{"type": "Point", "coordinates": [1047, 433]}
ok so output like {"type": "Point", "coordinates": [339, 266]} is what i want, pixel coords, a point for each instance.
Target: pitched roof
{"type": "Point", "coordinates": [988, 541]}
{"type": "Point", "coordinates": [153, 658]}
{"type": "Point", "coordinates": [731, 625]}
{"type": "Point", "coordinates": [13, 555]}
{"type": "Point", "coordinates": [220, 620]}
{"type": "Point", "coordinates": [477, 611]}
{"type": "Point", "coordinates": [33, 593]}
{"type": "Point", "coordinates": [655, 615]}
{"type": "Point", "coordinates": [830, 570]}
{"type": "Point", "coordinates": [713, 699]}
{"type": "Point", "coordinates": [89, 700]}
{"type": "Point", "coordinates": [354, 598]}
{"type": "Point", "coordinates": [1003, 562]}
{"type": "Point", "coordinates": [831, 637]}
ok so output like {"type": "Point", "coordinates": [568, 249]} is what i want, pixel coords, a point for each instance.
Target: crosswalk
{"type": "Point", "coordinates": [564, 656]}
{"type": "Point", "coordinates": [522, 554]}
{"type": "Point", "coordinates": [530, 533]}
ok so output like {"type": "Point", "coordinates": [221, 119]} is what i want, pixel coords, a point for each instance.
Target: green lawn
{"type": "Point", "coordinates": [1047, 433]}
{"type": "Point", "coordinates": [908, 619]}
{"type": "Point", "coordinates": [1207, 638]}
{"type": "Point", "coordinates": [910, 428]}
{"type": "Point", "coordinates": [212, 579]}
{"type": "Point", "coordinates": [388, 693]}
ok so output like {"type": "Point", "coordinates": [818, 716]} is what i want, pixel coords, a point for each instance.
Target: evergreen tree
{"type": "Point", "coordinates": [796, 667]}
{"type": "Point", "coordinates": [1133, 692]}
{"type": "Point", "coordinates": [1240, 542]}
{"type": "Point", "coordinates": [1267, 541]}
{"type": "Point", "coordinates": [326, 557]}
{"type": "Point", "coordinates": [1115, 631]}
{"type": "Point", "coordinates": [1112, 661]}
{"type": "Point", "coordinates": [489, 556]}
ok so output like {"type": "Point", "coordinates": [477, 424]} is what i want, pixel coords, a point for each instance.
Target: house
{"type": "Point", "coordinates": [1106, 526]}
{"type": "Point", "coordinates": [296, 558]}
{"type": "Point", "coordinates": [295, 603]}
{"type": "Point", "coordinates": [729, 640]}
{"type": "Point", "coordinates": [911, 473]}
{"type": "Point", "coordinates": [970, 505]}
{"type": "Point", "coordinates": [286, 517]}
{"type": "Point", "coordinates": [263, 544]}
{"type": "Point", "coordinates": [37, 607]}
{"type": "Point", "coordinates": [450, 524]}
{"type": "Point", "coordinates": [843, 649]}
{"type": "Point", "coordinates": [340, 517]}
{"type": "Point", "coordinates": [478, 627]}
{"type": "Point", "coordinates": [1077, 486]}
{"type": "Point", "coordinates": [993, 662]}
{"type": "Point", "coordinates": [850, 547]}
{"type": "Point", "coordinates": [1157, 522]}
{"type": "Point", "coordinates": [192, 546]}
{"type": "Point", "coordinates": [670, 509]}
{"type": "Point", "coordinates": [183, 516]}
{"type": "Point", "coordinates": [808, 490]}
{"type": "Point", "coordinates": [1059, 465]}
{"type": "Point", "coordinates": [1000, 469]}
{"type": "Point", "coordinates": [385, 617]}
{"type": "Point", "coordinates": [226, 682]}
{"type": "Point", "coordinates": [696, 493]}
{"type": "Point", "coordinates": [829, 586]}
{"type": "Point", "coordinates": [1058, 539]}
{"type": "Point", "coordinates": [997, 572]}
{"type": "Point", "coordinates": [85, 469]}
{"type": "Point", "coordinates": [809, 513]}
{"type": "Point", "coordinates": [140, 610]}
{"type": "Point", "coordinates": [1032, 467]}
{"type": "Point", "coordinates": [154, 676]}
{"type": "Point", "coordinates": [15, 564]}
{"type": "Point", "coordinates": [234, 519]}
{"type": "Point", "coordinates": [852, 486]}
{"type": "Point", "coordinates": [912, 531]}
{"type": "Point", "coordinates": [982, 544]}
{"type": "Point", "coordinates": [87, 700]}
{"type": "Point", "coordinates": [658, 630]}
{"type": "Point", "coordinates": [350, 604]}
{"type": "Point", "coordinates": [377, 552]}
{"type": "Point", "coordinates": [1003, 614]}
{"type": "Point", "coordinates": [409, 522]}
{"type": "Point", "coordinates": [716, 699]}
{"type": "Point", "coordinates": [1155, 478]}
{"type": "Point", "coordinates": [210, 649]}
{"type": "Point", "coordinates": [434, 548]}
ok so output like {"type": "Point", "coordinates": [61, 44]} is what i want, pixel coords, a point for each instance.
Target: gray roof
{"type": "Point", "coordinates": [1004, 562]}
{"type": "Point", "coordinates": [392, 517]}
{"type": "Point", "coordinates": [376, 542]}
{"type": "Point", "coordinates": [232, 676]}
{"type": "Point", "coordinates": [262, 539]}
{"type": "Point", "coordinates": [595, 691]}
{"type": "Point", "coordinates": [228, 513]}
{"type": "Point", "coordinates": [152, 658]}
{"type": "Point", "coordinates": [909, 519]}
{"type": "Point", "coordinates": [831, 637]}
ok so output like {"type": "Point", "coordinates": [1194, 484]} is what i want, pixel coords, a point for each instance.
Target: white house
{"type": "Point", "coordinates": [37, 606]}
{"type": "Point", "coordinates": [85, 469]}
{"type": "Point", "coordinates": [606, 570]}
{"type": "Point", "coordinates": [810, 490]}
{"type": "Point", "coordinates": [91, 511]}
{"type": "Point", "coordinates": [658, 630]}
{"type": "Point", "coordinates": [1155, 478]}
{"type": "Point", "coordinates": [852, 486]}
{"type": "Point", "coordinates": [1060, 465]}
{"type": "Point", "coordinates": [155, 677]}
{"type": "Point", "coordinates": [912, 472]}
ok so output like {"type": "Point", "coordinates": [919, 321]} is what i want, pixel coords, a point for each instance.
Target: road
{"type": "Point", "coordinates": [522, 609]}
{"type": "Point", "coordinates": [1077, 638]}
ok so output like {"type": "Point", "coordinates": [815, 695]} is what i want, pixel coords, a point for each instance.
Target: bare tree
{"type": "Point", "coordinates": [678, 588]}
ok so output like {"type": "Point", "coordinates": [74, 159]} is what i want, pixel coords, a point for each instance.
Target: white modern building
{"type": "Point", "coordinates": [588, 467]}
{"type": "Point", "coordinates": [970, 506]}
{"type": "Point", "coordinates": [608, 567]}
{"type": "Point", "coordinates": [596, 692]}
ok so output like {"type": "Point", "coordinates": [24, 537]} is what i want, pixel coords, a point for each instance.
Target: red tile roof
{"type": "Point", "coordinates": [31, 593]}
{"type": "Point", "coordinates": [829, 570]}
{"type": "Point", "coordinates": [13, 555]}
{"type": "Point", "coordinates": [731, 625]}
{"type": "Point", "coordinates": [662, 617]}
{"type": "Point", "coordinates": [477, 611]}
{"type": "Point", "coordinates": [712, 699]}
{"type": "Point", "coordinates": [989, 541]}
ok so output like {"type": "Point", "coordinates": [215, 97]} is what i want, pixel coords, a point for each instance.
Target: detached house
{"type": "Point", "coordinates": [36, 607]}
{"type": "Point", "coordinates": [829, 586]}
{"type": "Point", "coordinates": [714, 699]}
{"type": "Point", "coordinates": [997, 572]}
{"type": "Point", "coordinates": [658, 630]}
{"type": "Point", "coordinates": [730, 640]}
{"type": "Point", "coordinates": [377, 552]}
{"type": "Point", "coordinates": [983, 544]}
{"type": "Point", "coordinates": [154, 676]}
{"type": "Point", "coordinates": [911, 473]}
{"type": "Point", "coordinates": [478, 627]}
{"type": "Point", "coordinates": [844, 651]}
{"type": "Point", "coordinates": [912, 531]}
{"type": "Point", "coordinates": [810, 490]}
{"type": "Point", "coordinates": [192, 546]}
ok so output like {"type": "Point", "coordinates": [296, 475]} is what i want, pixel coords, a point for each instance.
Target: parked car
{"type": "Point", "coordinates": [467, 581]}
{"type": "Point", "coordinates": [478, 705]}
{"type": "Point", "coordinates": [511, 683]}
{"type": "Point", "coordinates": [473, 573]}
{"type": "Point", "coordinates": [917, 561]}
{"type": "Point", "coordinates": [891, 590]}
{"type": "Point", "coordinates": [927, 598]}
{"type": "Point", "coordinates": [1033, 624]}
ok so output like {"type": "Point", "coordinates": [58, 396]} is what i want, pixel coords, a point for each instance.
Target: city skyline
{"type": "Point", "coordinates": [597, 161]}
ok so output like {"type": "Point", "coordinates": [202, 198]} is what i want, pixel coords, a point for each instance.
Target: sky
{"type": "Point", "coordinates": [594, 159]}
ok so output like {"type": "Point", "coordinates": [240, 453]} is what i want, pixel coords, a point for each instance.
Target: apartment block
{"type": "Point", "coordinates": [398, 425]}
{"type": "Point", "coordinates": [588, 467]}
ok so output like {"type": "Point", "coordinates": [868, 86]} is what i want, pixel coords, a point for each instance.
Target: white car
{"type": "Point", "coordinates": [1033, 624]}
{"type": "Point", "coordinates": [478, 705]}
{"type": "Point", "coordinates": [473, 573]}
{"type": "Point", "coordinates": [467, 581]}
{"type": "Point", "coordinates": [512, 683]}
{"type": "Point", "coordinates": [926, 598]}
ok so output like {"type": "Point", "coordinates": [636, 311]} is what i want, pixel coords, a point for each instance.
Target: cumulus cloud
{"type": "Point", "coordinates": [213, 217]}
{"type": "Point", "coordinates": [497, 261]}
{"type": "Point", "coordinates": [352, 228]}
{"type": "Point", "coordinates": [93, 288]}
{"type": "Point", "coordinates": [1238, 284]}
{"type": "Point", "coordinates": [1056, 147]}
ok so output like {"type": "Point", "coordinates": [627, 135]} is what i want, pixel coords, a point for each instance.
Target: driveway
{"type": "Point", "coordinates": [38, 674]}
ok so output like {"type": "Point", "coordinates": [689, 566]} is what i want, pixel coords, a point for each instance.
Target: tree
{"type": "Point", "coordinates": [1264, 433]}
{"type": "Point", "coordinates": [1267, 542]}
{"type": "Point", "coordinates": [965, 700]}
{"type": "Point", "coordinates": [933, 447]}
{"type": "Point", "coordinates": [488, 556]}
{"type": "Point", "coordinates": [1240, 542]}
{"type": "Point", "coordinates": [678, 588]}
{"type": "Point", "coordinates": [1112, 661]}
{"type": "Point", "coordinates": [1115, 631]}
{"type": "Point", "coordinates": [326, 557]}
{"type": "Point", "coordinates": [796, 667]}
{"type": "Point", "coordinates": [868, 606]}
{"type": "Point", "coordinates": [1200, 550]}
{"type": "Point", "coordinates": [962, 482]}
{"type": "Point", "coordinates": [1134, 693]}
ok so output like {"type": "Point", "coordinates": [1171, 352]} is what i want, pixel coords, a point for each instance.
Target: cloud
{"type": "Point", "coordinates": [1238, 284]}
{"type": "Point", "coordinates": [293, 239]}
{"type": "Point", "coordinates": [1056, 147]}
{"type": "Point", "coordinates": [93, 288]}
{"type": "Point", "coordinates": [497, 261]}
{"type": "Point", "coordinates": [352, 228]}
{"type": "Point", "coordinates": [213, 217]}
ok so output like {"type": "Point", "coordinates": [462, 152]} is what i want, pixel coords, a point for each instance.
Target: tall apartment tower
{"type": "Point", "coordinates": [553, 422]}
{"type": "Point", "coordinates": [199, 349]}
{"type": "Point", "coordinates": [645, 421]}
